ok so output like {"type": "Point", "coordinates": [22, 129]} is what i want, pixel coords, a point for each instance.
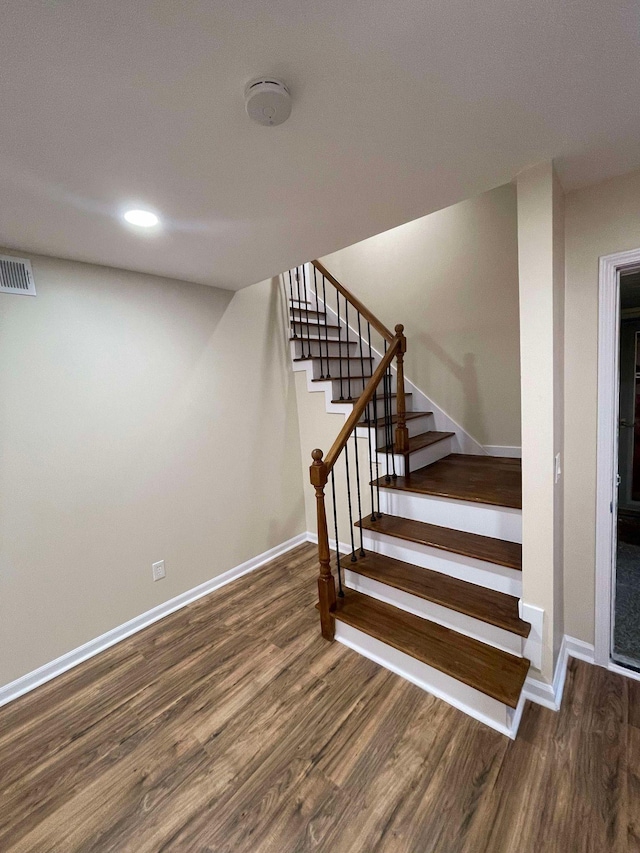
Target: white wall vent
{"type": "Point", "coordinates": [16, 276]}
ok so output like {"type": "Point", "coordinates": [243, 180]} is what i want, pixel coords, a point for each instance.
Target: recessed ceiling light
{"type": "Point", "coordinates": [142, 218]}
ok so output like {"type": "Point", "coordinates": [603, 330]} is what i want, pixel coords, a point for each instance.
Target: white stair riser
{"type": "Point", "coordinates": [332, 366]}
{"type": "Point", "coordinates": [460, 622]}
{"type": "Point", "coordinates": [418, 459]}
{"type": "Point", "coordinates": [356, 386]}
{"type": "Point", "coordinates": [301, 315]}
{"type": "Point", "coordinates": [415, 427]}
{"type": "Point", "coordinates": [480, 572]}
{"type": "Point", "coordinates": [483, 519]}
{"type": "Point", "coordinates": [300, 348]}
{"type": "Point", "coordinates": [315, 331]}
{"type": "Point", "coordinates": [467, 699]}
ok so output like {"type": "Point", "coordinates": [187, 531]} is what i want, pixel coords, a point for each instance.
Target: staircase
{"type": "Point", "coordinates": [429, 577]}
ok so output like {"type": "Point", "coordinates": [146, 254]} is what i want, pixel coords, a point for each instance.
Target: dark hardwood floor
{"type": "Point", "coordinates": [231, 726]}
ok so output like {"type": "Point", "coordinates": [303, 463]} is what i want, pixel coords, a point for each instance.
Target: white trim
{"type": "Point", "coordinates": [550, 695]}
{"type": "Point", "coordinates": [45, 673]}
{"type": "Point", "coordinates": [607, 443]}
{"type": "Point", "coordinates": [532, 649]}
{"type": "Point", "coordinates": [511, 451]}
{"type": "Point", "coordinates": [500, 522]}
{"type": "Point", "coordinates": [579, 649]}
{"type": "Point", "coordinates": [479, 572]}
{"type": "Point", "coordinates": [622, 670]}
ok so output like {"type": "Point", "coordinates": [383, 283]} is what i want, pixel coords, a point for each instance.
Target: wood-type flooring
{"type": "Point", "coordinates": [231, 726]}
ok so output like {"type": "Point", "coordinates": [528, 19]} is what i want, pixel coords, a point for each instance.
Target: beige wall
{"type": "Point", "coordinates": [600, 220]}
{"type": "Point", "coordinates": [452, 279]}
{"type": "Point", "coordinates": [141, 419]}
{"type": "Point", "coordinates": [541, 262]}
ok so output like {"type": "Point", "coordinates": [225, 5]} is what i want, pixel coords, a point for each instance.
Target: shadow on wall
{"type": "Point", "coordinates": [467, 376]}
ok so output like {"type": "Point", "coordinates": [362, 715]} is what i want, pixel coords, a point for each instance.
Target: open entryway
{"type": "Point", "coordinates": [626, 598]}
{"type": "Point", "coordinates": [618, 494]}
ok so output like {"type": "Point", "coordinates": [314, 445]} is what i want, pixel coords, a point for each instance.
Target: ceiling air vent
{"type": "Point", "coordinates": [16, 276]}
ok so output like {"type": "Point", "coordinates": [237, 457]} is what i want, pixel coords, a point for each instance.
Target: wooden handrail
{"type": "Point", "coordinates": [358, 409]}
{"type": "Point", "coordinates": [368, 315]}
{"type": "Point", "coordinates": [320, 468]}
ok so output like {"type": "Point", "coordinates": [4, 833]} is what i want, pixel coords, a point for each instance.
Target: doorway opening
{"type": "Point", "coordinates": [626, 586]}
{"type": "Point", "coordinates": [617, 610]}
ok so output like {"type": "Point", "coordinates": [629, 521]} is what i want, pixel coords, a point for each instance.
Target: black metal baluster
{"type": "Point", "coordinates": [353, 543]}
{"type": "Point", "coordinates": [355, 444]}
{"type": "Point", "coordinates": [386, 405]}
{"type": "Point", "coordinates": [391, 435]}
{"type": "Point", "coordinates": [326, 329]}
{"type": "Point", "coordinates": [306, 306]}
{"type": "Point", "coordinates": [346, 319]}
{"type": "Point", "coordinates": [367, 414]}
{"type": "Point", "coordinates": [292, 313]}
{"type": "Point", "coordinates": [375, 421]}
{"type": "Point", "coordinates": [315, 286]}
{"type": "Point", "coordinates": [299, 311]}
{"type": "Point", "coordinates": [355, 433]}
{"type": "Point", "coordinates": [335, 522]}
{"type": "Point", "coordinates": [339, 345]}
{"type": "Point", "coordinates": [361, 349]}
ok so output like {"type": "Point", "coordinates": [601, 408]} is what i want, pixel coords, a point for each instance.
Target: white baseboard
{"type": "Point", "coordinates": [579, 649]}
{"type": "Point", "coordinates": [45, 673]}
{"type": "Point", "coordinates": [503, 450]}
{"type": "Point", "coordinates": [550, 695]}
{"type": "Point", "coordinates": [533, 644]}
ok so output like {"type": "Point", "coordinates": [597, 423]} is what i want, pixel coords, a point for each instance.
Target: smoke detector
{"type": "Point", "coordinates": [267, 101]}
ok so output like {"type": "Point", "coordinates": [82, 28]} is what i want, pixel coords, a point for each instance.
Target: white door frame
{"type": "Point", "coordinates": [607, 446]}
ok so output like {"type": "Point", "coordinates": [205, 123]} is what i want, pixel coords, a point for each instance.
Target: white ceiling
{"type": "Point", "coordinates": [400, 108]}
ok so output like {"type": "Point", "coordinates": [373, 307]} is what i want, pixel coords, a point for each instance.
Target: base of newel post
{"type": "Point", "coordinates": [327, 599]}
{"type": "Point", "coordinates": [402, 439]}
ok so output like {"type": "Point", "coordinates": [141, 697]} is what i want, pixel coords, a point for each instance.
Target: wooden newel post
{"type": "Point", "coordinates": [326, 584]}
{"type": "Point", "coordinates": [402, 433]}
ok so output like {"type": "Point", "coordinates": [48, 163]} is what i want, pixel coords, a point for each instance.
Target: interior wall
{"type": "Point", "coordinates": [541, 259]}
{"type": "Point", "coordinates": [452, 279]}
{"type": "Point", "coordinates": [141, 419]}
{"type": "Point", "coordinates": [600, 220]}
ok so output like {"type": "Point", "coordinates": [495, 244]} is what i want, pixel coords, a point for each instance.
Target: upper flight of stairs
{"type": "Point", "coordinates": [435, 597]}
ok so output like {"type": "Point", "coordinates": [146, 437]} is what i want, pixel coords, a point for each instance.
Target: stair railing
{"type": "Point", "coordinates": [372, 410]}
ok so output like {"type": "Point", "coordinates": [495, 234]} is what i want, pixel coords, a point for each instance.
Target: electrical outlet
{"type": "Point", "coordinates": [158, 570]}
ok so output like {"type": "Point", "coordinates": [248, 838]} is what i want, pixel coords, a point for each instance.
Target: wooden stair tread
{"type": "Point", "coordinates": [485, 668]}
{"type": "Point", "coordinates": [483, 479]}
{"type": "Point", "coordinates": [418, 442]}
{"type": "Point", "coordinates": [486, 548]}
{"type": "Point", "coordinates": [355, 399]}
{"type": "Point", "coordinates": [410, 416]}
{"type": "Point", "coordinates": [494, 608]}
